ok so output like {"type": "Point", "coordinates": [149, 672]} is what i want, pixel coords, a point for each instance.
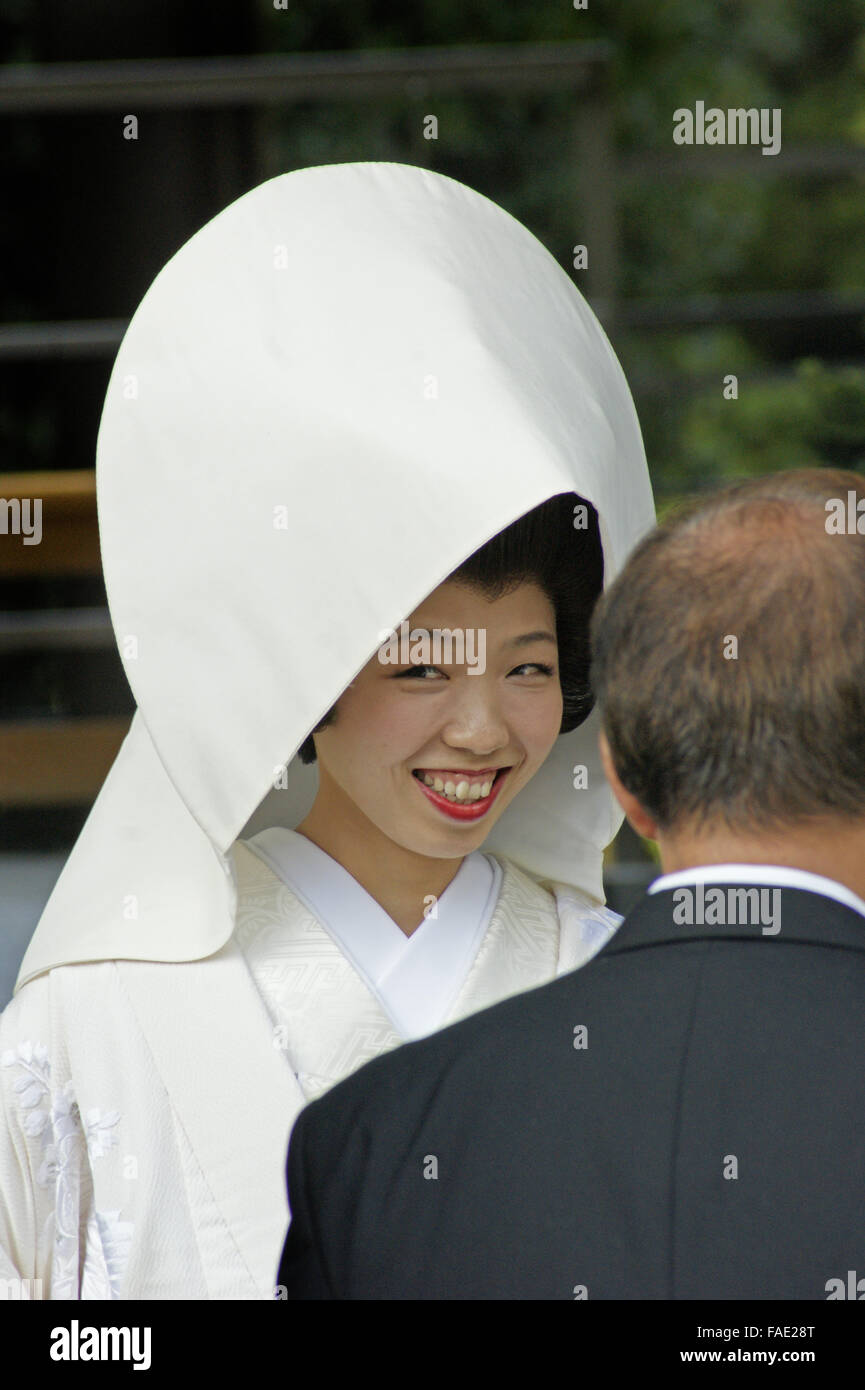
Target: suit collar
{"type": "Point", "coordinates": [770, 875]}
{"type": "Point", "coordinates": [674, 915]}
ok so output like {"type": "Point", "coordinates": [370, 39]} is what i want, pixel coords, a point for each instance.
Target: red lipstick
{"type": "Point", "coordinates": [467, 810]}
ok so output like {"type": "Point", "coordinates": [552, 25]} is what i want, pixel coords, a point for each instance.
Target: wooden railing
{"type": "Point", "coordinates": [54, 761]}
{"type": "Point", "coordinates": [70, 535]}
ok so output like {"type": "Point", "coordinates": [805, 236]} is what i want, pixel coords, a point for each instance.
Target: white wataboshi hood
{"type": "Point", "coordinates": [338, 389]}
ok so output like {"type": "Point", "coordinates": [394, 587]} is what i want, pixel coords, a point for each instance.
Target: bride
{"type": "Point", "coordinates": [363, 396]}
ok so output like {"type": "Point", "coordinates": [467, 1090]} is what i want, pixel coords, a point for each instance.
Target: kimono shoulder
{"type": "Point", "coordinates": [583, 925]}
{"type": "Point", "coordinates": [538, 931]}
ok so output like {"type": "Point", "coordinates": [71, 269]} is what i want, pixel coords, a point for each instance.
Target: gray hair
{"type": "Point", "coordinates": [728, 658]}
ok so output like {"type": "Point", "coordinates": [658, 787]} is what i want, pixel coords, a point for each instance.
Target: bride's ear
{"type": "Point", "coordinates": [638, 818]}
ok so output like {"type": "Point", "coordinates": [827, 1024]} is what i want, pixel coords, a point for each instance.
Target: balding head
{"type": "Point", "coordinates": [729, 657]}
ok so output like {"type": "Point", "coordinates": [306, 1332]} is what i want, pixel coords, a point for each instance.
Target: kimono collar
{"type": "Point", "coordinates": [415, 978]}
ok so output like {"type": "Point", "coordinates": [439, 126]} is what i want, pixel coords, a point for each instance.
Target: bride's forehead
{"type": "Point", "coordinates": [462, 596]}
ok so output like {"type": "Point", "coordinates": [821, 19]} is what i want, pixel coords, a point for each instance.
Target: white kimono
{"type": "Point", "coordinates": [329, 398]}
{"type": "Point", "coordinates": [146, 1107]}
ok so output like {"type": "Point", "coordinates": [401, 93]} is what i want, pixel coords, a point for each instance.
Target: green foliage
{"type": "Point", "coordinates": [814, 417]}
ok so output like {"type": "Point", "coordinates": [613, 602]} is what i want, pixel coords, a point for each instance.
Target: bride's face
{"type": "Point", "coordinates": [432, 754]}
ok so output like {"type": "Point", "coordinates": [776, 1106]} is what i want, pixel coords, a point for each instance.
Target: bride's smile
{"type": "Point", "coordinates": [420, 761]}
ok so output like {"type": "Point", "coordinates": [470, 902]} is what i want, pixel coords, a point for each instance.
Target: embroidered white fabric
{"type": "Point", "coordinates": [415, 978]}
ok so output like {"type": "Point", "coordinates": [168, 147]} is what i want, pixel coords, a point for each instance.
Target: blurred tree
{"type": "Point", "coordinates": [815, 417]}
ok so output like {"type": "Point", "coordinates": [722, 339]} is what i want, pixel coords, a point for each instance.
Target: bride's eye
{"type": "Point", "coordinates": [417, 673]}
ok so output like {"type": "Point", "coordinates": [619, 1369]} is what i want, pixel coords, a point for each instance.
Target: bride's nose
{"type": "Point", "coordinates": [475, 722]}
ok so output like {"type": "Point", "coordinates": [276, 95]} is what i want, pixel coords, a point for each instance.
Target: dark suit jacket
{"type": "Point", "coordinates": [708, 1141]}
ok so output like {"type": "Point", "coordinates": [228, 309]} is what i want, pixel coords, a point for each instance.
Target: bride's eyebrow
{"type": "Point", "coordinates": [527, 637]}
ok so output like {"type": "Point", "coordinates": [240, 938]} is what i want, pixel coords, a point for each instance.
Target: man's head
{"type": "Point", "coordinates": [728, 659]}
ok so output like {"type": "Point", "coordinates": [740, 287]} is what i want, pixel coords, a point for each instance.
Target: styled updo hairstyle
{"type": "Point", "coordinates": [558, 546]}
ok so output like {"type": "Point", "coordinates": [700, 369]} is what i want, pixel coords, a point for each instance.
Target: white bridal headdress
{"type": "Point", "coordinates": [338, 389]}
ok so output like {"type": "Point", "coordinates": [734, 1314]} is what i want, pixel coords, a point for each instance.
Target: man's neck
{"type": "Point", "coordinates": [834, 849]}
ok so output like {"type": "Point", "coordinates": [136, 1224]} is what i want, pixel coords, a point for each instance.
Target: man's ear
{"type": "Point", "coordinates": [638, 818]}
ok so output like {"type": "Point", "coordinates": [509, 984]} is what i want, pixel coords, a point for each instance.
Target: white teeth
{"type": "Point", "coordinates": [460, 791]}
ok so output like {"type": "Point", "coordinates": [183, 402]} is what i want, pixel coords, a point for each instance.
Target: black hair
{"type": "Point", "coordinates": [558, 546]}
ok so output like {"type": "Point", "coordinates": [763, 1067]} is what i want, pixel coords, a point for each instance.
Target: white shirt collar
{"type": "Point", "coordinates": [415, 978]}
{"type": "Point", "coordinates": [769, 874]}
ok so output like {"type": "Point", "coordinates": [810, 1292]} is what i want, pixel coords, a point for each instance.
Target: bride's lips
{"type": "Point", "coordinates": [466, 810]}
